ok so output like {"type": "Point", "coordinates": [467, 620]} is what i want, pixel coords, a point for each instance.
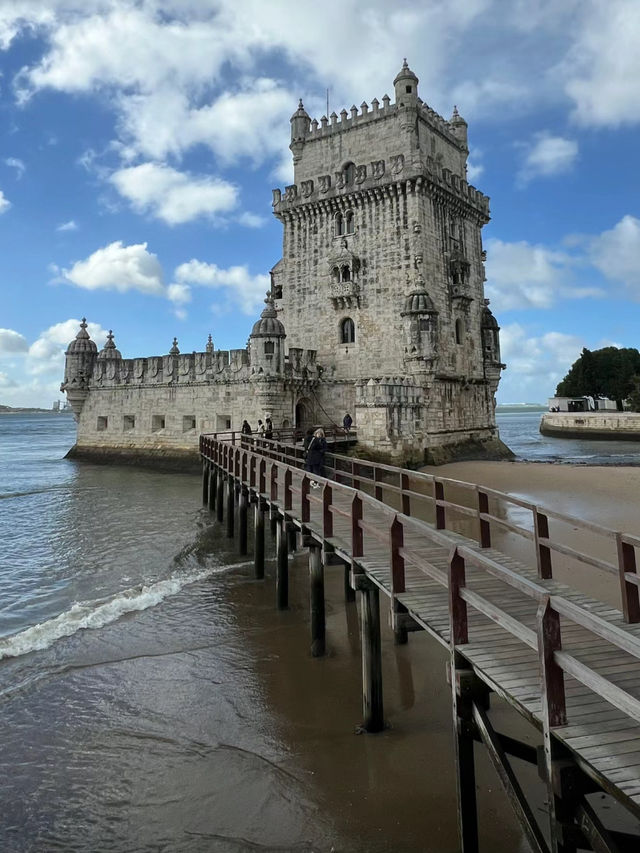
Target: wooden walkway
{"type": "Point", "coordinates": [566, 662]}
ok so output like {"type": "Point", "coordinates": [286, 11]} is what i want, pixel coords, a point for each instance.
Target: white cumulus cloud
{"type": "Point", "coordinates": [172, 196]}
{"type": "Point", "coordinates": [547, 155]}
{"type": "Point", "coordinates": [12, 342]}
{"type": "Point", "coordinates": [17, 164]}
{"type": "Point", "coordinates": [71, 225]}
{"type": "Point", "coordinates": [46, 354]}
{"type": "Point", "coordinates": [118, 267]}
{"type": "Point", "coordinates": [245, 290]}
{"type": "Point", "coordinates": [616, 253]}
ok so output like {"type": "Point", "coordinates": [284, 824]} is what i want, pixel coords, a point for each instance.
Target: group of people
{"type": "Point", "coordinates": [314, 444]}
{"type": "Point", "coordinates": [265, 430]}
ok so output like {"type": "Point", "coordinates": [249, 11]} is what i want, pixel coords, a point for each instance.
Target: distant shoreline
{"type": "Point", "coordinates": [5, 410]}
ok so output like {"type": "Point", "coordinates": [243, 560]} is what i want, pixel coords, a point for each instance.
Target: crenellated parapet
{"type": "Point", "coordinates": [385, 391]}
{"type": "Point", "coordinates": [379, 174]}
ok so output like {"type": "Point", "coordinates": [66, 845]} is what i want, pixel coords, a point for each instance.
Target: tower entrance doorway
{"type": "Point", "coordinates": [304, 413]}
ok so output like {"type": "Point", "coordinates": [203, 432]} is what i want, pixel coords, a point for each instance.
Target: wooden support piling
{"type": "Point", "coordinates": [205, 482]}
{"type": "Point", "coordinates": [258, 539]}
{"type": "Point", "coordinates": [231, 495]}
{"type": "Point", "coordinates": [372, 705]}
{"type": "Point", "coordinates": [213, 484]}
{"type": "Point", "coordinates": [316, 595]}
{"type": "Point", "coordinates": [220, 497]}
{"type": "Point", "coordinates": [282, 566]}
{"type": "Point", "coordinates": [242, 520]}
{"type": "Point", "coordinates": [349, 591]}
{"type": "Point", "coordinates": [462, 680]}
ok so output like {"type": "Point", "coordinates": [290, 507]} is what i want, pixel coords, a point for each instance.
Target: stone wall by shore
{"type": "Point", "coordinates": [592, 425]}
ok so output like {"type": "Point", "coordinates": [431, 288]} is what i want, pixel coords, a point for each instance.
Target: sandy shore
{"type": "Point", "coordinates": [604, 495]}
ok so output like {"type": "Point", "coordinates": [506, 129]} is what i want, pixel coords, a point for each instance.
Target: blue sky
{"type": "Point", "coordinates": [139, 142]}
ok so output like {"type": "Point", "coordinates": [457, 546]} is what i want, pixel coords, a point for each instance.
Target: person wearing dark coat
{"type": "Point", "coordinates": [315, 456]}
{"type": "Point", "coordinates": [268, 427]}
{"type": "Point", "coordinates": [246, 428]}
{"type": "Point", "coordinates": [346, 422]}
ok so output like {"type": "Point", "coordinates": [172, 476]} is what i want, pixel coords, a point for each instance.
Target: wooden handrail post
{"type": "Point", "coordinates": [629, 591]}
{"type": "Point", "coordinates": [357, 538]}
{"type": "Point", "coordinates": [485, 525]}
{"type": "Point", "coordinates": [262, 488]}
{"type": "Point", "coordinates": [406, 499]}
{"type": "Point", "coordinates": [252, 472]}
{"type": "Point", "coordinates": [327, 515]}
{"type": "Point", "coordinates": [396, 543]}
{"type": "Point", "coordinates": [438, 495]}
{"type": "Point", "coordinates": [287, 489]}
{"type": "Point", "coordinates": [550, 641]}
{"type": "Point", "coordinates": [377, 488]}
{"type": "Point", "coordinates": [244, 467]}
{"type": "Point", "coordinates": [543, 552]}
{"type": "Point", "coordinates": [355, 475]}
{"type": "Point", "coordinates": [305, 503]}
{"type": "Point", "coordinates": [274, 481]}
{"type": "Point", "coordinates": [236, 463]}
{"type": "Point", "coordinates": [458, 621]}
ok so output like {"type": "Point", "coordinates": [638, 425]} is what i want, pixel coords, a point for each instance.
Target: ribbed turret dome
{"type": "Point", "coordinates": [405, 73]}
{"type": "Point", "coordinates": [82, 342]}
{"type": "Point", "coordinates": [418, 302]}
{"type": "Point", "coordinates": [488, 321]}
{"type": "Point", "coordinates": [268, 326]}
{"type": "Point", "coordinates": [109, 350]}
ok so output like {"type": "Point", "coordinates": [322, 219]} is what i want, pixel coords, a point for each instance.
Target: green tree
{"type": "Point", "coordinates": [607, 372]}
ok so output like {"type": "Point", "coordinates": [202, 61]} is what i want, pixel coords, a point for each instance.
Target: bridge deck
{"type": "Point", "coordinates": [603, 734]}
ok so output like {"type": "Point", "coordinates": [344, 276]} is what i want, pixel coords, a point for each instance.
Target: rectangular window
{"type": "Point", "coordinates": [102, 423]}
{"type": "Point", "coordinates": [157, 423]}
{"type": "Point", "coordinates": [188, 422]}
{"type": "Point", "coordinates": [128, 422]}
{"type": "Point", "coordinates": [269, 347]}
{"type": "Point", "coordinates": [223, 422]}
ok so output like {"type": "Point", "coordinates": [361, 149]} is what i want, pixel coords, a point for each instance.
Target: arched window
{"type": "Point", "coordinates": [335, 274]}
{"type": "Point", "coordinates": [346, 273]}
{"type": "Point", "coordinates": [349, 173]}
{"type": "Point", "coordinates": [459, 331]}
{"type": "Point", "coordinates": [339, 225]}
{"type": "Point", "coordinates": [347, 331]}
{"type": "Point", "coordinates": [348, 222]}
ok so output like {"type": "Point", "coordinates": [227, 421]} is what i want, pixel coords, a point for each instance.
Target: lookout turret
{"type": "Point", "coordinates": [300, 122]}
{"type": "Point", "coordinates": [406, 86]}
{"type": "Point", "coordinates": [267, 341]}
{"type": "Point", "coordinates": [80, 359]}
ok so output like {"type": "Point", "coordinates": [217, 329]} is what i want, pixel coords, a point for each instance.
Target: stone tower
{"type": "Point", "coordinates": [383, 274]}
{"type": "Point", "coordinates": [80, 359]}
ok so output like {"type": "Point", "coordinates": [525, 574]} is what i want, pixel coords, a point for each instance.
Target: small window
{"type": "Point", "coordinates": [459, 331]}
{"type": "Point", "coordinates": [223, 422]}
{"type": "Point", "coordinates": [347, 331]}
{"type": "Point", "coordinates": [336, 274]}
{"type": "Point", "coordinates": [349, 219]}
{"type": "Point", "coordinates": [277, 291]}
{"type": "Point", "coordinates": [346, 274]}
{"type": "Point", "coordinates": [408, 90]}
{"type": "Point", "coordinates": [188, 422]}
{"type": "Point", "coordinates": [102, 423]}
{"type": "Point", "coordinates": [339, 225]}
{"type": "Point", "coordinates": [128, 422]}
{"type": "Point", "coordinates": [424, 324]}
{"type": "Point", "coordinates": [157, 423]}
{"type": "Point", "coordinates": [349, 173]}
{"type": "Point", "coordinates": [269, 347]}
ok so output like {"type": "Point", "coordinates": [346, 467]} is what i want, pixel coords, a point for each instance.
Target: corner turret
{"type": "Point", "coordinates": [459, 127]}
{"type": "Point", "coordinates": [80, 359]}
{"type": "Point", "coordinates": [300, 124]}
{"type": "Point", "coordinates": [406, 86]}
{"type": "Point", "coordinates": [267, 341]}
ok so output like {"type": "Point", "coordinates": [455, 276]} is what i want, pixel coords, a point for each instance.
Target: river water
{"type": "Point", "coordinates": [153, 699]}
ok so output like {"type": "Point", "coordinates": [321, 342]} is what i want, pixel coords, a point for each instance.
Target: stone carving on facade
{"type": "Point", "coordinates": [361, 174]}
{"type": "Point", "coordinates": [325, 183]}
{"type": "Point", "coordinates": [397, 163]}
{"type": "Point", "coordinates": [306, 187]}
{"type": "Point", "coordinates": [291, 192]}
{"type": "Point", "coordinates": [377, 168]}
{"type": "Point", "coordinates": [277, 197]}
{"type": "Point", "coordinates": [340, 181]}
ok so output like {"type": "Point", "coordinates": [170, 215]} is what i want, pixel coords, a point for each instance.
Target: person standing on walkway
{"type": "Point", "coordinates": [268, 427]}
{"type": "Point", "coordinates": [346, 422]}
{"type": "Point", "coordinates": [315, 456]}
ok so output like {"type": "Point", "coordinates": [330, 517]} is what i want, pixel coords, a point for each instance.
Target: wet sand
{"type": "Point", "coordinates": [605, 495]}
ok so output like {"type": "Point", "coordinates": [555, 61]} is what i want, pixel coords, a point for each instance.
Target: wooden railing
{"type": "Point", "coordinates": [427, 497]}
{"type": "Point", "coordinates": [546, 639]}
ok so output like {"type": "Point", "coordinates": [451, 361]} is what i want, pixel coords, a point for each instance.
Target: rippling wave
{"type": "Point", "coordinates": [96, 614]}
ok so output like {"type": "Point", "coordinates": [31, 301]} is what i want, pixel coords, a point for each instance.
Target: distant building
{"type": "Point", "coordinates": [376, 308]}
{"type": "Point", "coordinates": [582, 404]}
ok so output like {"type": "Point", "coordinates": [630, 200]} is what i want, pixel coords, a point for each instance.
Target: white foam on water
{"type": "Point", "coordinates": [96, 614]}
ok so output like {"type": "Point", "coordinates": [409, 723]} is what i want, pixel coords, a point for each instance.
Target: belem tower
{"type": "Point", "coordinates": [376, 308]}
